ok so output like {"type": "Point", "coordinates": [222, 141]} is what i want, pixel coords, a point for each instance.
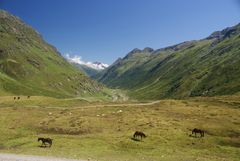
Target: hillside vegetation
{"type": "Point", "coordinates": [206, 67]}
{"type": "Point", "coordinates": [30, 66]}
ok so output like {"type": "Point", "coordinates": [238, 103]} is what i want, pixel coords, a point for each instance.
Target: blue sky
{"type": "Point", "coordinates": [103, 30]}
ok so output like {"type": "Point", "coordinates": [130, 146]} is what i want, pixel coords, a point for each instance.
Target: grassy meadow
{"type": "Point", "coordinates": [99, 130]}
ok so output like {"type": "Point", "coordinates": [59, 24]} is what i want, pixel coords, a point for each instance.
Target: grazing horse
{"type": "Point", "coordinates": [46, 140]}
{"type": "Point", "coordinates": [139, 134]}
{"type": "Point", "coordinates": [195, 130]}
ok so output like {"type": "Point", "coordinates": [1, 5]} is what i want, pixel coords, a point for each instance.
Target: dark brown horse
{"type": "Point", "coordinates": [45, 140]}
{"type": "Point", "coordinates": [139, 134]}
{"type": "Point", "coordinates": [195, 131]}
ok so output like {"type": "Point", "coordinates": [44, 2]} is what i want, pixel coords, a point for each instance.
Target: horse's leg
{"type": "Point", "coordinates": [44, 143]}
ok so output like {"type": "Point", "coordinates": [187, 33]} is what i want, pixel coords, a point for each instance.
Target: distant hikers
{"type": "Point", "coordinates": [18, 97]}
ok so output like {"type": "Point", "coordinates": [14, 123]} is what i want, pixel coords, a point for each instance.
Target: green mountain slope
{"type": "Point", "coordinates": [30, 66]}
{"type": "Point", "coordinates": [206, 67]}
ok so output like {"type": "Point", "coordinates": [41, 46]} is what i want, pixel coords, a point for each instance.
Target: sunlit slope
{"type": "Point", "coordinates": [29, 65]}
{"type": "Point", "coordinates": [205, 67]}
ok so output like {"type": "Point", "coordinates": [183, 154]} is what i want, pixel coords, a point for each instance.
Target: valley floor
{"type": "Point", "coordinates": [103, 131]}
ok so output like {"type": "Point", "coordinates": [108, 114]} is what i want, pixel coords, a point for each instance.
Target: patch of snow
{"type": "Point", "coordinates": [78, 60]}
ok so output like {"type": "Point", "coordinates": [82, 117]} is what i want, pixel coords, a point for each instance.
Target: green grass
{"type": "Point", "coordinates": [98, 130]}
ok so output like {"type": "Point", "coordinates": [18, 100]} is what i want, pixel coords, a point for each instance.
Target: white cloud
{"type": "Point", "coordinates": [78, 60]}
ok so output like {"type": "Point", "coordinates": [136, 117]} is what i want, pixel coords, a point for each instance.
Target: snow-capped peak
{"type": "Point", "coordinates": [78, 60]}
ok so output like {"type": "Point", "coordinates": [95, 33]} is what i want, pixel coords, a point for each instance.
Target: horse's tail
{"type": "Point", "coordinates": [50, 143]}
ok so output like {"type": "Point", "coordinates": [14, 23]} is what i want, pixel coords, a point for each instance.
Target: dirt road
{"type": "Point", "coordinates": [15, 157]}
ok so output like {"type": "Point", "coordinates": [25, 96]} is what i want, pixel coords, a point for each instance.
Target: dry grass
{"type": "Point", "coordinates": [104, 132]}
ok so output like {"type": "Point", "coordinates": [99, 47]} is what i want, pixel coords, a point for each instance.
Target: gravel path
{"type": "Point", "coordinates": [16, 157]}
